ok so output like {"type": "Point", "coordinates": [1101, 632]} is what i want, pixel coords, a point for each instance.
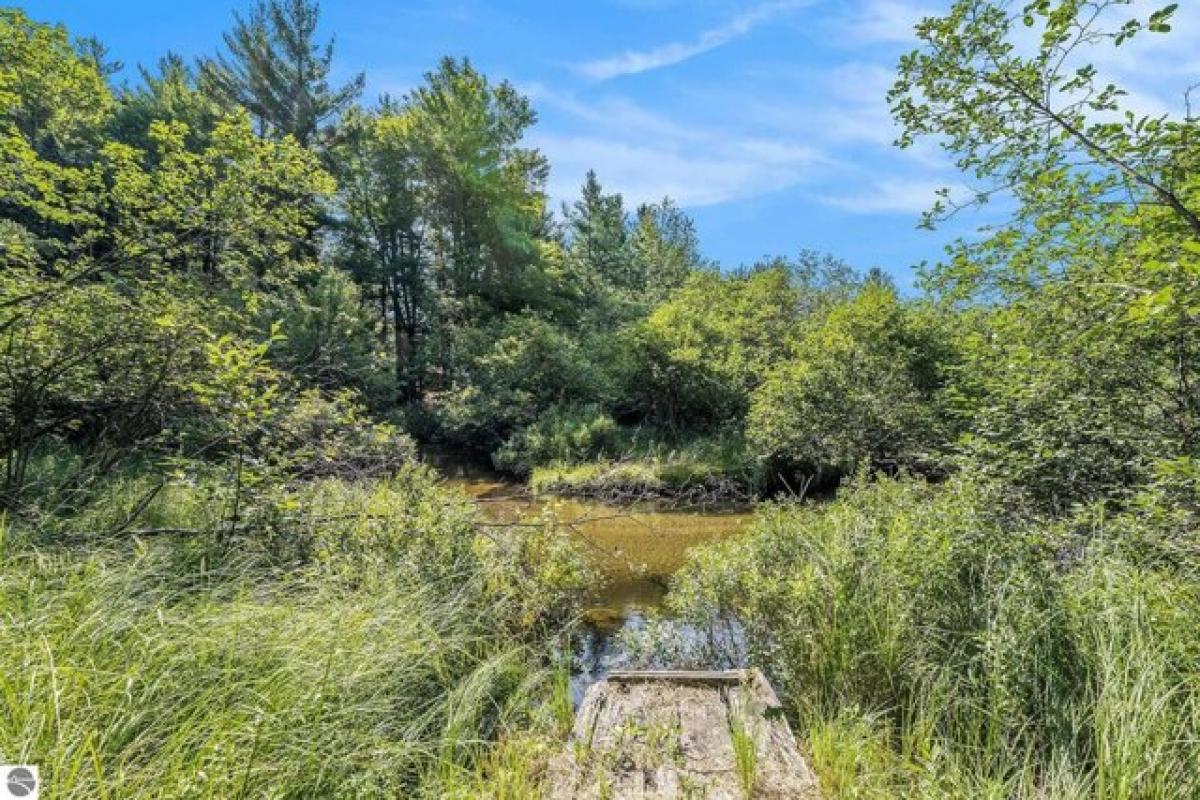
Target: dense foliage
{"type": "Point", "coordinates": [397, 642]}
{"type": "Point", "coordinates": [1022, 628]}
{"type": "Point", "coordinates": [235, 302]}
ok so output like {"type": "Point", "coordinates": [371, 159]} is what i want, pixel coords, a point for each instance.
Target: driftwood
{"type": "Point", "coordinates": [659, 735]}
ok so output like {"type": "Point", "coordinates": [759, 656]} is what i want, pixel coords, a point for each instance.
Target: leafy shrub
{"type": "Point", "coordinates": [95, 363]}
{"type": "Point", "coordinates": [328, 338]}
{"type": "Point", "coordinates": [858, 392]}
{"type": "Point", "coordinates": [563, 435]}
{"type": "Point", "coordinates": [699, 354]}
{"type": "Point", "coordinates": [322, 435]}
{"type": "Point", "coordinates": [1071, 396]}
{"type": "Point", "coordinates": [507, 373]}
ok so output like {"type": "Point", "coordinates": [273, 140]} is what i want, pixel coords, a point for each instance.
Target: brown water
{"type": "Point", "coordinates": [635, 548]}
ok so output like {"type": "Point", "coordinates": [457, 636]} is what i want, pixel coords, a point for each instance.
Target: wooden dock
{"type": "Point", "coordinates": [681, 735]}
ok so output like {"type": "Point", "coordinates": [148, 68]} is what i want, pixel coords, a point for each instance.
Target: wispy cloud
{"type": "Point", "coordinates": [892, 196]}
{"type": "Point", "coordinates": [633, 62]}
{"type": "Point", "coordinates": [646, 155]}
{"type": "Point", "coordinates": [643, 172]}
{"type": "Point", "coordinates": [888, 21]}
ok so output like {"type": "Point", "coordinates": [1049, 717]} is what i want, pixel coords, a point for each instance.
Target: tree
{"type": "Point", "coordinates": [598, 236]}
{"type": "Point", "coordinates": [482, 192]}
{"type": "Point", "coordinates": [119, 264]}
{"type": "Point", "coordinates": [239, 213]}
{"type": "Point", "coordinates": [858, 391]}
{"type": "Point", "coordinates": [168, 93]}
{"type": "Point", "coordinates": [443, 216]}
{"type": "Point", "coordinates": [705, 350]}
{"type": "Point", "coordinates": [665, 248]}
{"type": "Point", "coordinates": [53, 96]}
{"type": "Point", "coordinates": [276, 71]}
{"type": "Point", "coordinates": [94, 49]}
{"type": "Point", "coordinates": [1042, 126]}
{"type": "Point", "coordinates": [1079, 381]}
{"type": "Point", "coordinates": [383, 242]}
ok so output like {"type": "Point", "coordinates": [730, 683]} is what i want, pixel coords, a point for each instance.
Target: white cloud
{"type": "Point", "coordinates": [785, 123]}
{"type": "Point", "coordinates": [1154, 68]}
{"type": "Point", "coordinates": [614, 113]}
{"type": "Point", "coordinates": [891, 196]}
{"type": "Point", "coordinates": [841, 110]}
{"type": "Point", "coordinates": [647, 171]}
{"type": "Point", "coordinates": [646, 155]}
{"type": "Point", "coordinates": [856, 109]}
{"type": "Point", "coordinates": [888, 21]}
{"type": "Point", "coordinates": [633, 62]}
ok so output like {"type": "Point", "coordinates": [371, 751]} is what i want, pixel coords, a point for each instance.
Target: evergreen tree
{"type": "Point", "coordinates": [482, 191]}
{"type": "Point", "coordinates": [382, 243]}
{"type": "Point", "coordinates": [598, 236]}
{"type": "Point", "coordinates": [168, 93]}
{"type": "Point", "coordinates": [92, 48]}
{"type": "Point", "coordinates": [276, 71]}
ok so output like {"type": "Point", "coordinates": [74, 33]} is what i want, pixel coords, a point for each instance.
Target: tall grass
{"type": "Point", "coordinates": [402, 658]}
{"type": "Point", "coordinates": [745, 752]}
{"type": "Point", "coordinates": [933, 643]}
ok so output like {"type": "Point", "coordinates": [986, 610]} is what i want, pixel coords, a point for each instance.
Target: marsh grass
{"type": "Point", "coordinates": [650, 462]}
{"type": "Point", "coordinates": [121, 683]}
{"type": "Point", "coordinates": [404, 655]}
{"type": "Point", "coordinates": [929, 646]}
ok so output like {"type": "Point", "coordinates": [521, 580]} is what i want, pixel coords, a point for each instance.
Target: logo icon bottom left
{"type": "Point", "coordinates": [20, 782]}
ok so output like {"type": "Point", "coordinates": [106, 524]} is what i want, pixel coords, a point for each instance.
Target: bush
{"type": "Point", "coordinates": [562, 435]}
{"type": "Point", "coordinates": [699, 355]}
{"type": "Point", "coordinates": [328, 336]}
{"type": "Point", "coordinates": [330, 435]}
{"type": "Point", "coordinates": [859, 392]}
{"type": "Point", "coordinates": [508, 373]}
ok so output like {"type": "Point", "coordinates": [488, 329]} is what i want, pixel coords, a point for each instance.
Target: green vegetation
{"type": "Point", "coordinates": [380, 665]}
{"type": "Point", "coordinates": [745, 753]}
{"type": "Point", "coordinates": [235, 302]}
{"type": "Point", "coordinates": [935, 640]}
{"type": "Point", "coordinates": [707, 468]}
{"type": "Point", "coordinates": [1021, 627]}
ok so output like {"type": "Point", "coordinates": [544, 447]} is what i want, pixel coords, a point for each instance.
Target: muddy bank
{"type": "Point", "coordinates": [615, 486]}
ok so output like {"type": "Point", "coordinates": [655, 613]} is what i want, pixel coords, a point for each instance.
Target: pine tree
{"type": "Point", "coordinates": [598, 232]}
{"type": "Point", "coordinates": [665, 247]}
{"type": "Point", "coordinates": [276, 71]}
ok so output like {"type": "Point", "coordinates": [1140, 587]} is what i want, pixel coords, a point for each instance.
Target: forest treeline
{"type": "Point", "coordinates": [235, 296]}
{"type": "Point", "coordinates": [240, 227]}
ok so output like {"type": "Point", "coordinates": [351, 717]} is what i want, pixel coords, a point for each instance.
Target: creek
{"type": "Point", "coordinates": [634, 548]}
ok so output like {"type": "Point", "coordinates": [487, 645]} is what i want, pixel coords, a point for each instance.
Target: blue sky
{"type": "Point", "coordinates": [765, 119]}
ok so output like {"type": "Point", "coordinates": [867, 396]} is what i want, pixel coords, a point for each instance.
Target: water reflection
{"type": "Point", "coordinates": [635, 549]}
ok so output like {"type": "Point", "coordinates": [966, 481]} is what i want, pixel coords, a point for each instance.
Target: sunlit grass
{"type": "Point", "coordinates": [403, 657]}
{"type": "Point", "coordinates": [745, 753]}
{"type": "Point", "coordinates": [928, 647]}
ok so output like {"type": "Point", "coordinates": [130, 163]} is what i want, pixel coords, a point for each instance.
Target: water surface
{"type": "Point", "coordinates": [634, 548]}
